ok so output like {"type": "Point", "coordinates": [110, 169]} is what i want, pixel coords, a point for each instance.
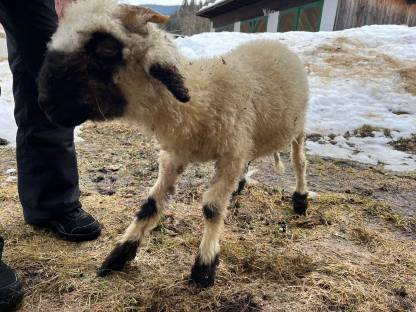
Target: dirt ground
{"type": "Point", "coordinates": [354, 251]}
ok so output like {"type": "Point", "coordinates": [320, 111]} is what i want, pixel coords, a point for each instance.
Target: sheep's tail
{"type": "Point", "coordinates": [278, 164]}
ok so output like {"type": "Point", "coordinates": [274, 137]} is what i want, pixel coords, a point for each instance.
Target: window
{"type": "Point", "coordinates": [255, 25]}
{"type": "Point", "coordinates": [225, 28]}
{"type": "Point", "coordinates": [310, 18]}
{"type": "Point", "coordinates": [288, 20]}
{"type": "Point", "coordinates": [304, 18]}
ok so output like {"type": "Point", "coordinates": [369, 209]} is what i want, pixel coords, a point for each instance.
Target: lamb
{"type": "Point", "coordinates": [108, 60]}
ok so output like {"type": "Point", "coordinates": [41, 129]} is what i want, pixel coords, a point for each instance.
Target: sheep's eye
{"type": "Point", "coordinates": [104, 46]}
{"type": "Point", "coordinates": [107, 49]}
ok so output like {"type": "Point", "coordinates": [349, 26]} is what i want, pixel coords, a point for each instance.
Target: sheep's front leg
{"type": "Point", "coordinates": [215, 202]}
{"type": "Point", "coordinates": [147, 216]}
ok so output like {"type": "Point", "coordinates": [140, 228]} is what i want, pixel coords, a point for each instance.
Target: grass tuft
{"type": "Point", "coordinates": [355, 250]}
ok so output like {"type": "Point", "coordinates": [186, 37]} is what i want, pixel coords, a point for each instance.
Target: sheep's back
{"type": "Point", "coordinates": [279, 92]}
{"type": "Point", "coordinates": [254, 97]}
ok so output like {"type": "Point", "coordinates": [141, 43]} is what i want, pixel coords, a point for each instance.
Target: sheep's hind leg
{"type": "Point", "coordinates": [300, 196]}
{"type": "Point", "coordinates": [243, 181]}
{"type": "Point", "coordinates": [147, 216]}
{"type": "Point", "coordinates": [215, 202]}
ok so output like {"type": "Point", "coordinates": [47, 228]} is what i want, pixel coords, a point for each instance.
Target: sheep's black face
{"type": "Point", "coordinates": [77, 86]}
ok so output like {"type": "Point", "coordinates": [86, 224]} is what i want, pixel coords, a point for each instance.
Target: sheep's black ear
{"type": "Point", "coordinates": [169, 75]}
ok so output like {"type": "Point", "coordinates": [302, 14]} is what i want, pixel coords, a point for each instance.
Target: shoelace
{"type": "Point", "coordinates": [73, 214]}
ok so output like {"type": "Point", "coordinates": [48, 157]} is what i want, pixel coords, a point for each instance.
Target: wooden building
{"type": "Point", "coordinates": [306, 15]}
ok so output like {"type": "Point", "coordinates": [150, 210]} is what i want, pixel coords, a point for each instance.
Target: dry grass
{"type": "Point", "coordinates": [353, 252]}
{"type": "Point", "coordinates": [409, 77]}
{"type": "Point", "coordinates": [405, 144]}
{"type": "Point", "coordinates": [365, 131]}
{"type": "Point", "coordinates": [368, 131]}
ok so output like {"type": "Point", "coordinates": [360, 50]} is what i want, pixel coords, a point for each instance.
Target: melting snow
{"type": "Point", "coordinates": [362, 76]}
{"type": "Point", "coordinates": [355, 79]}
{"type": "Point", "coordinates": [8, 126]}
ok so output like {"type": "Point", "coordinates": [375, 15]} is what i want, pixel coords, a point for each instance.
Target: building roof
{"type": "Point", "coordinates": [223, 6]}
{"type": "Point", "coordinates": [219, 7]}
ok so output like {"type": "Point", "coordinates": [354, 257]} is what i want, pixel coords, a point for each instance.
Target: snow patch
{"type": "Point", "coordinates": [10, 179]}
{"type": "Point", "coordinates": [354, 77]}
{"type": "Point", "coordinates": [11, 171]}
{"type": "Point", "coordinates": [8, 126]}
{"type": "Point", "coordinates": [354, 81]}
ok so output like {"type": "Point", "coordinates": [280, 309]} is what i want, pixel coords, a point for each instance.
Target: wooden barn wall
{"type": "Point", "coordinates": [356, 13]}
{"type": "Point", "coordinates": [255, 10]}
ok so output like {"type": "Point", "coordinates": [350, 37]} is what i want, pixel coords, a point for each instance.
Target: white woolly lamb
{"type": "Point", "coordinates": [108, 60]}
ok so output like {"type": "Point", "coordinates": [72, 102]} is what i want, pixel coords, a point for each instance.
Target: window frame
{"type": "Point", "coordinates": [298, 11]}
{"type": "Point", "coordinates": [228, 28]}
{"type": "Point", "coordinates": [254, 19]}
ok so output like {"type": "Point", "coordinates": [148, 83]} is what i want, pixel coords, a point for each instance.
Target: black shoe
{"type": "Point", "coordinates": [75, 226]}
{"type": "Point", "coordinates": [11, 293]}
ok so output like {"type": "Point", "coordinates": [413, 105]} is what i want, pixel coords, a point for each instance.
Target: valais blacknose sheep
{"type": "Point", "coordinates": [108, 60]}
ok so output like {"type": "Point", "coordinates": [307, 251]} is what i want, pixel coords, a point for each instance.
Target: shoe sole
{"type": "Point", "coordinates": [14, 298]}
{"type": "Point", "coordinates": [81, 237]}
{"type": "Point", "coordinates": [71, 237]}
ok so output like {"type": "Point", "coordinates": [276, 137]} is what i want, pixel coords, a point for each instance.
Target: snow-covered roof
{"type": "Point", "coordinates": [211, 5]}
{"type": "Point", "coordinates": [221, 6]}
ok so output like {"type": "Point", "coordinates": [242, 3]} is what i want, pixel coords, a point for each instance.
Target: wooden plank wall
{"type": "Point", "coordinates": [357, 13]}
{"type": "Point", "coordinates": [255, 10]}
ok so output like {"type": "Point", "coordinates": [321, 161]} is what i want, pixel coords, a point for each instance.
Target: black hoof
{"type": "Point", "coordinates": [300, 203]}
{"type": "Point", "coordinates": [117, 259]}
{"type": "Point", "coordinates": [203, 275]}
{"type": "Point", "coordinates": [240, 187]}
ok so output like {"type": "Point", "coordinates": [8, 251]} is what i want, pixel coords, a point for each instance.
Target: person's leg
{"type": "Point", "coordinates": [45, 154]}
{"type": "Point", "coordinates": [10, 288]}
{"type": "Point", "coordinates": [46, 159]}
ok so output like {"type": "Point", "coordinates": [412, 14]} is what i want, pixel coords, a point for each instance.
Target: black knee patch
{"type": "Point", "coordinates": [119, 256]}
{"type": "Point", "coordinates": [203, 275]}
{"type": "Point", "coordinates": [147, 210]}
{"type": "Point", "coordinates": [300, 202]}
{"type": "Point", "coordinates": [210, 211]}
{"type": "Point", "coordinates": [179, 170]}
{"type": "Point", "coordinates": [240, 187]}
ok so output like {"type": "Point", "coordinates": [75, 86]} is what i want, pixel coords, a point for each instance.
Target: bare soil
{"type": "Point", "coordinates": [354, 251]}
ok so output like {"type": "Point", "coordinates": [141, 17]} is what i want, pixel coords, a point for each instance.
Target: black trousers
{"type": "Point", "coordinates": [46, 160]}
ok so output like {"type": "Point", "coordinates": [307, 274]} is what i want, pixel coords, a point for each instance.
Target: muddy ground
{"type": "Point", "coordinates": [354, 251]}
